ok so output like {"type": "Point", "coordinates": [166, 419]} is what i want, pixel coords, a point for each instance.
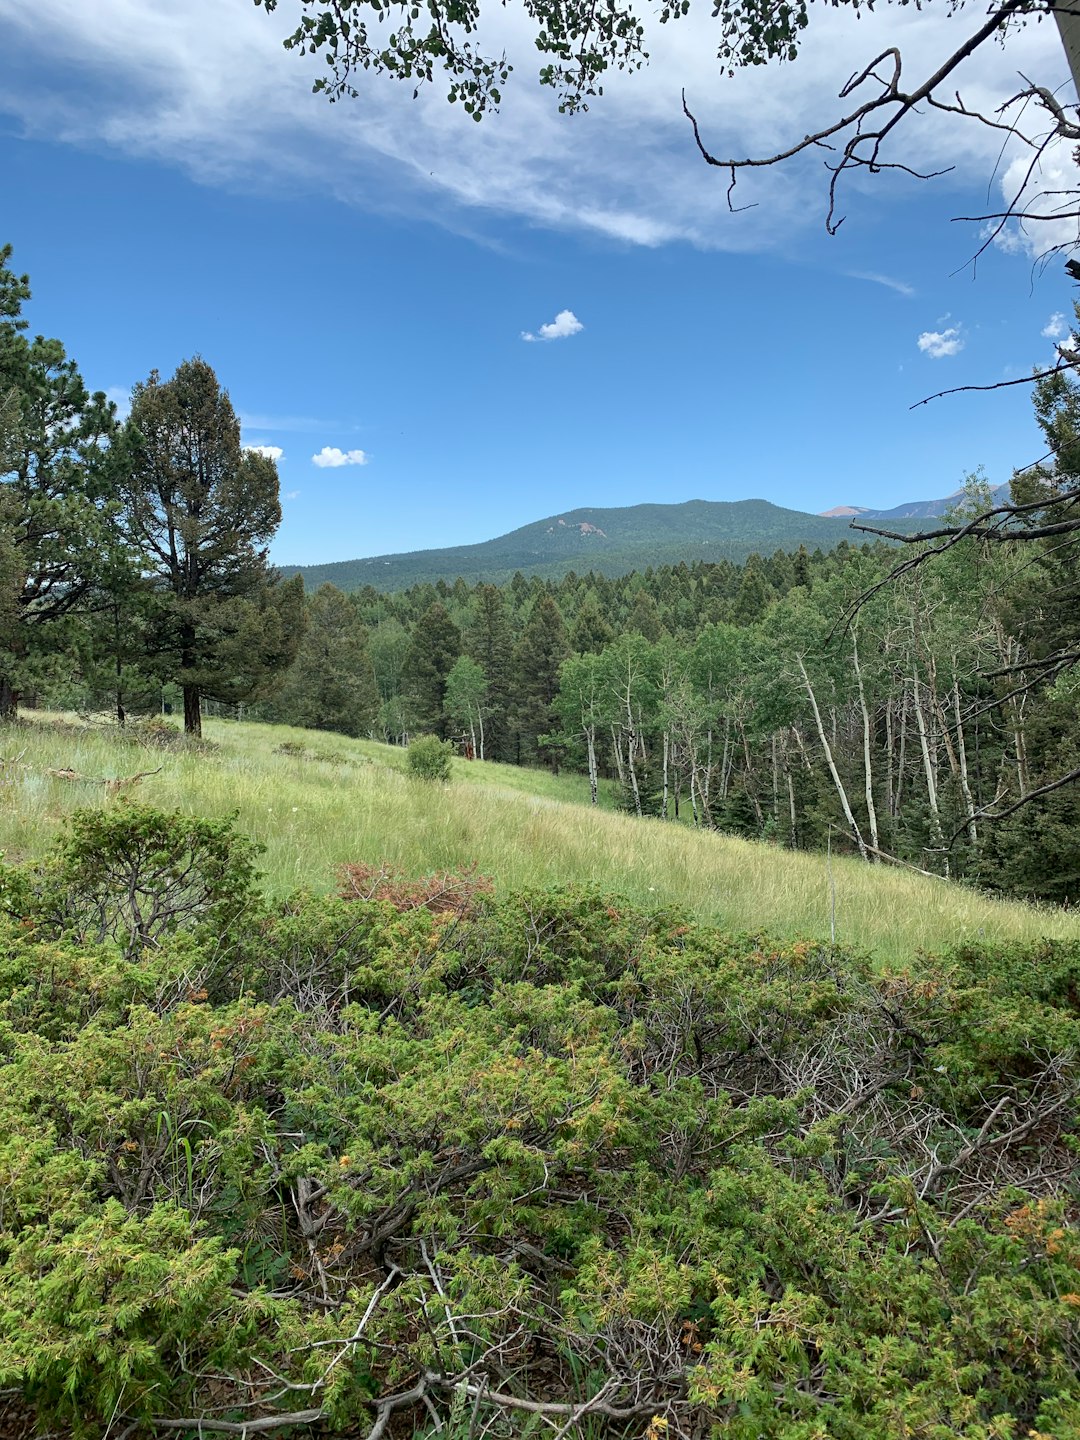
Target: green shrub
{"type": "Point", "coordinates": [430, 758]}
{"type": "Point", "coordinates": [134, 874]}
{"type": "Point", "coordinates": [546, 1152]}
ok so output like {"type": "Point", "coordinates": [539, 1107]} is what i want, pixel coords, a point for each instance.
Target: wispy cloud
{"type": "Point", "coordinates": [1055, 326]}
{"type": "Point", "coordinates": [260, 420]}
{"type": "Point", "coordinates": [240, 115]}
{"type": "Point", "coordinates": [291, 495]}
{"type": "Point", "coordinates": [939, 343]}
{"type": "Point", "coordinates": [271, 452]}
{"type": "Point", "coordinates": [331, 458]}
{"type": "Point", "coordinates": [900, 286]}
{"type": "Point", "coordinates": [564, 325]}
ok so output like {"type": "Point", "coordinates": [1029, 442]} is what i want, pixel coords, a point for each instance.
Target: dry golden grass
{"type": "Point", "coordinates": [347, 800]}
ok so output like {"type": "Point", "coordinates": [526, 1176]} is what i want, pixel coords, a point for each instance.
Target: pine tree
{"type": "Point", "coordinates": [331, 683]}
{"type": "Point", "coordinates": [433, 648]}
{"type": "Point", "coordinates": [59, 467]}
{"type": "Point", "coordinates": [489, 642]}
{"type": "Point", "coordinates": [202, 510]}
{"type": "Point", "coordinates": [539, 653]}
{"type": "Point", "coordinates": [590, 632]}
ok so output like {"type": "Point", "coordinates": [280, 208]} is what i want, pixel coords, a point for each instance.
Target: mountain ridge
{"type": "Point", "coordinates": [610, 540]}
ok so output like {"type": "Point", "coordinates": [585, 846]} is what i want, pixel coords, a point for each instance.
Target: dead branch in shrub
{"type": "Point", "coordinates": [112, 787]}
{"type": "Point", "coordinates": [443, 893]}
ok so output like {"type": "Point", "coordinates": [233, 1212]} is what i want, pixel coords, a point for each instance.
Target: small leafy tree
{"type": "Point", "coordinates": [467, 699]}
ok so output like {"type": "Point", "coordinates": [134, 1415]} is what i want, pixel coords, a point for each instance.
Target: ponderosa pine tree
{"type": "Point", "coordinates": [202, 510]}
{"type": "Point", "coordinates": [59, 477]}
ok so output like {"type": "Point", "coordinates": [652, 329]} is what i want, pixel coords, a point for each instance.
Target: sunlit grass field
{"type": "Point", "coordinates": [347, 800]}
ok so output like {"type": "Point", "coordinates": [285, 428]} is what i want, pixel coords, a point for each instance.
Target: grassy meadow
{"type": "Point", "coordinates": [338, 800]}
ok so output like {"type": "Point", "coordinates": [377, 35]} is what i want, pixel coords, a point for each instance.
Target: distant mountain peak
{"type": "Point", "coordinates": [842, 512]}
{"type": "Point", "coordinates": [608, 541]}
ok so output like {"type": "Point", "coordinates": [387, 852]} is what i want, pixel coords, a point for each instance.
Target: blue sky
{"type": "Point", "coordinates": [362, 276]}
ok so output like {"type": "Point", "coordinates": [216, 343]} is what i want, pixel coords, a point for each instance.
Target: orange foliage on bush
{"type": "Point", "coordinates": [443, 893]}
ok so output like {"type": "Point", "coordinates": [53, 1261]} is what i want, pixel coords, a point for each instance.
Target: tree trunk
{"type": "Point", "coordinates": [961, 750]}
{"type": "Point", "coordinates": [844, 802]}
{"type": "Point", "coordinates": [9, 699]}
{"type": "Point", "coordinates": [794, 832]}
{"type": "Point", "coordinates": [617, 748]}
{"type": "Point", "coordinates": [868, 773]}
{"type": "Point", "coordinates": [480, 722]}
{"type": "Point", "coordinates": [590, 741]}
{"type": "Point", "coordinates": [667, 754]}
{"type": "Point", "coordinates": [193, 711]}
{"type": "Point", "coordinates": [929, 770]}
{"type": "Point", "coordinates": [630, 741]}
{"type": "Point", "coordinates": [751, 785]}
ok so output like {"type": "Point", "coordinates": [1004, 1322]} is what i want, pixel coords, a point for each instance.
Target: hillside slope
{"type": "Point", "coordinates": [329, 800]}
{"type": "Point", "coordinates": [609, 541]}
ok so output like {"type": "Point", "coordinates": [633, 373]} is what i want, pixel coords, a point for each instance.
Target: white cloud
{"type": "Point", "coordinates": [271, 452]}
{"type": "Point", "coordinates": [900, 286]}
{"type": "Point", "coordinates": [141, 80]}
{"type": "Point", "coordinates": [292, 495]}
{"type": "Point", "coordinates": [565, 324]}
{"type": "Point", "coordinates": [1054, 327]}
{"type": "Point", "coordinates": [1043, 192]}
{"type": "Point", "coordinates": [938, 343]}
{"type": "Point", "coordinates": [331, 458]}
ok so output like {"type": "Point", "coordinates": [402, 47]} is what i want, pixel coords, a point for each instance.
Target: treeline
{"type": "Point", "coordinates": [761, 699]}
{"type": "Point", "coordinates": [132, 554]}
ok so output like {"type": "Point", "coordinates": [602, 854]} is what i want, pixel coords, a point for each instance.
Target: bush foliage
{"type": "Point", "coordinates": [542, 1161]}
{"type": "Point", "coordinates": [430, 758]}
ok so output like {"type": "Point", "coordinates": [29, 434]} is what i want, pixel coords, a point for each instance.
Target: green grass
{"type": "Point", "coordinates": [351, 800]}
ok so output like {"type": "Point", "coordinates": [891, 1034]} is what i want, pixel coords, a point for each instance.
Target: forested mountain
{"type": "Point", "coordinates": [606, 541]}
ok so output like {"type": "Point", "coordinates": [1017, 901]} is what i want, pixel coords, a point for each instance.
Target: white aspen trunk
{"type": "Point", "coordinates": [725, 761]}
{"type": "Point", "coordinates": [848, 815]}
{"type": "Point", "coordinates": [694, 811]}
{"type": "Point", "coordinates": [890, 760]}
{"type": "Point", "coordinates": [801, 743]}
{"type": "Point", "coordinates": [901, 759]}
{"type": "Point", "coordinates": [708, 769]}
{"type": "Point", "coordinates": [667, 751]}
{"type": "Point", "coordinates": [590, 742]}
{"type": "Point", "coordinates": [775, 783]}
{"type": "Point", "coordinates": [868, 772]}
{"type": "Point", "coordinates": [751, 791]}
{"type": "Point", "coordinates": [619, 770]}
{"type": "Point", "coordinates": [929, 769]}
{"type": "Point", "coordinates": [793, 836]}
{"type": "Point", "coordinates": [472, 736]}
{"type": "Point", "coordinates": [1068, 24]}
{"type": "Point", "coordinates": [480, 719]}
{"type": "Point", "coordinates": [961, 750]}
